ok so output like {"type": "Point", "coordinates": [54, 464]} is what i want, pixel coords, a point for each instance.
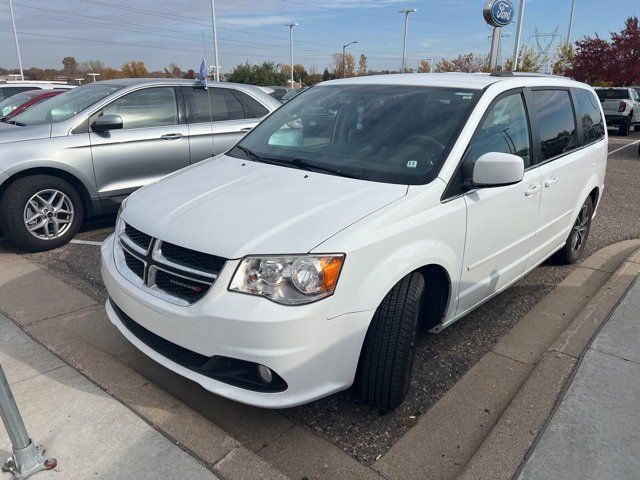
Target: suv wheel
{"type": "Point", "coordinates": [623, 129]}
{"type": "Point", "coordinates": [636, 128]}
{"type": "Point", "coordinates": [40, 212]}
{"type": "Point", "coordinates": [386, 362]}
{"type": "Point", "coordinates": [577, 240]}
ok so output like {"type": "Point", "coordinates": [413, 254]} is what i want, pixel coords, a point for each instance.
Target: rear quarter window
{"type": "Point", "coordinates": [589, 115]}
{"type": "Point", "coordinates": [554, 115]}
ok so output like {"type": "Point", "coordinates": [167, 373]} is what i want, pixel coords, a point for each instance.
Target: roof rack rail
{"type": "Point", "coordinates": [524, 74]}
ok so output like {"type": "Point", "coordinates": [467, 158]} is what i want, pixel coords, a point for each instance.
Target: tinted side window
{"type": "Point", "coordinates": [252, 107]}
{"type": "Point", "coordinates": [199, 103]}
{"type": "Point", "coordinates": [151, 107]}
{"type": "Point", "coordinates": [217, 104]}
{"type": "Point", "coordinates": [556, 122]}
{"type": "Point", "coordinates": [505, 129]}
{"type": "Point", "coordinates": [589, 114]}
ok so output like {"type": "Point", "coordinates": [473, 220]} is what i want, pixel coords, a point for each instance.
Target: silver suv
{"type": "Point", "coordinates": [81, 153]}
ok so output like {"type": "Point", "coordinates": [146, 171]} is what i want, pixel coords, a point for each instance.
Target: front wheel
{"type": "Point", "coordinates": [577, 240]}
{"type": "Point", "coordinates": [386, 361]}
{"type": "Point", "coordinates": [40, 212]}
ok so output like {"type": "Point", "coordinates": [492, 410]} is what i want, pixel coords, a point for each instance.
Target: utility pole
{"type": "Point", "coordinates": [344, 48]}
{"type": "Point", "coordinates": [215, 40]}
{"type": "Point", "coordinates": [291, 25]}
{"type": "Point", "coordinates": [406, 13]}
{"type": "Point", "coordinates": [15, 36]}
{"type": "Point", "coordinates": [573, 6]}
{"type": "Point", "coordinates": [516, 50]}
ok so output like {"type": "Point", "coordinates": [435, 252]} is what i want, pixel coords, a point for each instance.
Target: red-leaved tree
{"type": "Point", "coordinates": [617, 62]}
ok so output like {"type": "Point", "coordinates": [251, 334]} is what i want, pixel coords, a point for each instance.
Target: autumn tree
{"type": "Point", "coordinates": [173, 71]}
{"type": "Point", "coordinates": [564, 59]}
{"type": "Point", "coordinates": [468, 63]}
{"type": "Point", "coordinates": [70, 67]}
{"type": "Point", "coordinates": [299, 73]}
{"type": "Point", "coordinates": [424, 66]}
{"type": "Point", "coordinates": [625, 46]}
{"type": "Point", "coordinates": [344, 66]}
{"type": "Point", "coordinates": [528, 61]}
{"type": "Point", "coordinates": [135, 69]}
{"type": "Point", "coordinates": [110, 73]}
{"type": "Point", "coordinates": [362, 65]}
{"type": "Point", "coordinates": [312, 79]}
{"type": "Point", "coordinates": [268, 73]}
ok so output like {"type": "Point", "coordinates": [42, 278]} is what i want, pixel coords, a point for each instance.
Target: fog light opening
{"type": "Point", "coordinates": [265, 374]}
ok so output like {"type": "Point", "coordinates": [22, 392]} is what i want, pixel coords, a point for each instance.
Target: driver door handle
{"type": "Point", "coordinates": [171, 136]}
{"type": "Point", "coordinates": [532, 190]}
{"type": "Point", "coordinates": [246, 129]}
{"type": "Point", "coordinates": [550, 182]}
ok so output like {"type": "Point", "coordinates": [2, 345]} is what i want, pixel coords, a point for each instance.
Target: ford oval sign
{"type": "Point", "coordinates": [498, 13]}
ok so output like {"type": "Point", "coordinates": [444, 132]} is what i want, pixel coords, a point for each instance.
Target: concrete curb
{"type": "Point", "coordinates": [467, 432]}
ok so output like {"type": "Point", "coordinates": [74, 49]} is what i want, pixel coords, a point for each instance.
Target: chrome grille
{"type": "Point", "coordinates": [176, 274]}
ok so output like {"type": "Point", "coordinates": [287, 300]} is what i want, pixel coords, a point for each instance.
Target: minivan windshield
{"type": "Point", "coordinates": [65, 105]}
{"type": "Point", "coordinates": [613, 94]}
{"type": "Point", "coordinates": [385, 133]}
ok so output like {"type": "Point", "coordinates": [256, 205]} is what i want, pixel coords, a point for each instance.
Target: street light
{"type": "Point", "coordinates": [15, 36]}
{"type": "Point", "coordinates": [516, 50]}
{"type": "Point", "coordinates": [344, 48]}
{"type": "Point", "coordinates": [406, 13]}
{"type": "Point", "coordinates": [573, 6]}
{"type": "Point", "coordinates": [291, 25]}
{"type": "Point", "coordinates": [94, 75]}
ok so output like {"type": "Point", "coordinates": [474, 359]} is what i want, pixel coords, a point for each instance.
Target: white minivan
{"type": "Point", "coordinates": [309, 257]}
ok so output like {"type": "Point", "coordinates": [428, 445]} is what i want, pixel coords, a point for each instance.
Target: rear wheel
{"type": "Point", "coordinates": [636, 128]}
{"type": "Point", "coordinates": [578, 236]}
{"type": "Point", "coordinates": [623, 129]}
{"type": "Point", "coordinates": [40, 212]}
{"type": "Point", "coordinates": [386, 361]}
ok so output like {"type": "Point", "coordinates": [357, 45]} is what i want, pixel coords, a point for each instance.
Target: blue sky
{"type": "Point", "coordinates": [161, 32]}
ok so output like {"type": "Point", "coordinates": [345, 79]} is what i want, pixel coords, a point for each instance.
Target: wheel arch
{"type": "Point", "coordinates": [78, 184]}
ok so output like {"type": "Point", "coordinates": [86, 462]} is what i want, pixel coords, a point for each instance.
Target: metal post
{"type": "Point", "coordinates": [516, 50]}
{"type": "Point", "coordinates": [404, 41]}
{"type": "Point", "coordinates": [344, 53]}
{"type": "Point", "coordinates": [215, 40]}
{"type": "Point", "coordinates": [15, 36]}
{"type": "Point", "coordinates": [495, 43]}
{"type": "Point", "coordinates": [27, 457]}
{"type": "Point", "coordinates": [573, 6]}
{"type": "Point", "coordinates": [291, 25]}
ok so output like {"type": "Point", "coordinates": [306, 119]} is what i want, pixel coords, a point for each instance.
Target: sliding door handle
{"type": "Point", "coordinates": [171, 136]}
{"type": "Point", "coordinates": [532, 190]}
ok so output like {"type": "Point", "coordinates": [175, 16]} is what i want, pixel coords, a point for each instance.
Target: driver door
{"type": "Point", "coordinates": [151, 144]}
{"type": "Point", "coordinates": [501, 221]}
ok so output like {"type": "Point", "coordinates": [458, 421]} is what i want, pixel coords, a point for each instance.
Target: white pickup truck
{"type": "Point", "coordinates": [621, 107]}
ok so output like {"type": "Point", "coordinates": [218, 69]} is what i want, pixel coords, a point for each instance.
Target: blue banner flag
{"type": "Point", "coordinates": [202, 76]}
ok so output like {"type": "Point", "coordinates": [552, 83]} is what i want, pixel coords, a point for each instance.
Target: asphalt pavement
{"type": "Point", "coordinates": [441, 360]}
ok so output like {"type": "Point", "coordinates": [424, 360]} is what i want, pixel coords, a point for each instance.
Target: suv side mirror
{"type": "Point", "coordinates": [496, 169]}
{"type": "Point", "coordinates": [105, 123]}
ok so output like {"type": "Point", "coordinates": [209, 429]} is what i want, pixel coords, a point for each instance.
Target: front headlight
{"type": "Point", "coordinates": [119, 221]}
{"type": "Point", "coordinates": [290, 280]}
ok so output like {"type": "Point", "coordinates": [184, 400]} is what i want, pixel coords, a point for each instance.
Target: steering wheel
{"type": "Point", "coordinates": [423, 137]}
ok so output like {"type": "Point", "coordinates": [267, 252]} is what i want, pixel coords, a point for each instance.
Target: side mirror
{"type": "Point", "coordinates": [105, 123]}
{"type": "Point", "coordinates": [495, 169]}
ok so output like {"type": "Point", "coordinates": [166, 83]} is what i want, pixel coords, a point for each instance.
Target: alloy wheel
{"type": "Point", "coordinates": [48, 214]}
{"type": "Point", "coordinates": [580, 229]}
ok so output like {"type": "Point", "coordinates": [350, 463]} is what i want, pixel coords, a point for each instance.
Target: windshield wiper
{"type": "Point", "coordinates": [305, 165]}
{"type": "Point", "coordinates": [297, 163]}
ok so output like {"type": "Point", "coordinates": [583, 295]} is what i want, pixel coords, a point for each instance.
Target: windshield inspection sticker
{"type": "Point", "coordinates": [412, 164]}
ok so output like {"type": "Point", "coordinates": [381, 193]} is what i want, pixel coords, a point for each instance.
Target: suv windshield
{"type": "Point", "coordinates": [65, 105]}
{"type": "Point", "coordinates": [613, 94]}
{"type": "Point", "coordinates": [385, 133]}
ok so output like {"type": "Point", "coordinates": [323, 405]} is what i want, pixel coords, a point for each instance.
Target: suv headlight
{"type": "Point", "coordinates": [119, 221]}
{"type": "Point", "coordinates": [289, 280]}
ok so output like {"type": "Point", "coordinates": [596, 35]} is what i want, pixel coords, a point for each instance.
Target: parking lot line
{"type": "Point", "coordinates": [622, 148]}
{"type": "Point", "coordinates": [86, 242]}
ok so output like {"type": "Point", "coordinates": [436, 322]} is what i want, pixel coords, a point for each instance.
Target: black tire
{"type": "Point", "coordinates": [386, 361]}
{"type": "Point", "coordinates": [12, 213]}
{"type": "Point", "coordinates": [636, 128]}
{"type": "Point", "coordinates": [623, 129]}
{"type": "Point", "coordinates": [576, 242]}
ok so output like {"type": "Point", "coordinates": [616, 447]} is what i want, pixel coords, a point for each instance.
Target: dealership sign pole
{"type": "Point", "coordinates": [498, 14]}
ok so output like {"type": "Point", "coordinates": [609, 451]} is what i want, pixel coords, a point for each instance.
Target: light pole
{"type": "Point", "coordinates": [573, 6]}
{"type": "Point", "coordinates": [215, 40]}
{"type": "Point", "coordinates": [94, 75]}
{"type": "Point", "coordinates": [291, 25]}
{"type": "Point", "coordinates": [15, 36]}
{"type": "Point", "coordinates": [406, 13]}
{"type": "Point", "coordinates": [344, 48]}
{"type": "Point", "coordinates": [516, 50]}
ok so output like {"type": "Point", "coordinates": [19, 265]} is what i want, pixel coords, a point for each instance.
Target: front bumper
{"type": "Point", "coordinates": [315, 356]}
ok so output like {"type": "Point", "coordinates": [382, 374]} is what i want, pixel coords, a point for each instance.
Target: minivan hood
{"type": "Point", "coordinates": [231, 207]}
{"type": "Point", "coordinates": [13, 133]}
